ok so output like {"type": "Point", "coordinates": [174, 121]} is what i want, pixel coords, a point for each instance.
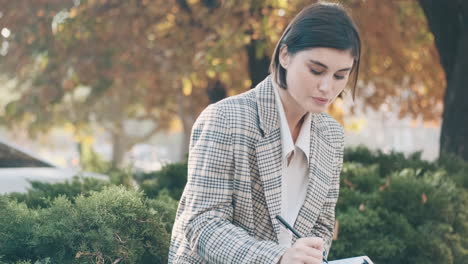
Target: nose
{"type": "Point", "coordinates": [324, 85]}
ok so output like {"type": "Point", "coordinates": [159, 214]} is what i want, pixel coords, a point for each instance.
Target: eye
{"type": "Point", "coordinates": [339, 77]}
{"type": "Point", "coordinates": [316, 72]}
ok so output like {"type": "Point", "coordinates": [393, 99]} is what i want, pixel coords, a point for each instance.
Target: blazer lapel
{"type": "Point", "coordinates": [268, 150]}
{"type": "Point", "coordinates": [319, 179]}
{"type": "Point", "coordinates": [269, 166]}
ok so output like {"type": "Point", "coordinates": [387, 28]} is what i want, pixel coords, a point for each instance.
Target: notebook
{"type": "Point", "coordinates": [355, 260]}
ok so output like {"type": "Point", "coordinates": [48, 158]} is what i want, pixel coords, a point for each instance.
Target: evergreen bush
{"type": "Point", "coordinates": [110, 226]}
{"type": "Point", "coordinates": [171, 177]}
{"type": "Point", "coordinates": [393, 208]}
{"type": "Point", "coordinates": [41, 194]}
{"type": "Point", "coordinates": [399, 209]}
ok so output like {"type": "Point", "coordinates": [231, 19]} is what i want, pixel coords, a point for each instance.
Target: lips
{"type": "Point", "coordinates": [320, 100]}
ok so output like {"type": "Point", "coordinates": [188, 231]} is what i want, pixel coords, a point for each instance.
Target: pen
{"type": "Point", "coordinates": [290, 228]}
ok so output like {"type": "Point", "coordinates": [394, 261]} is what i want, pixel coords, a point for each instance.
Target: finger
{"type": "Point", "coordinates": [311, 260]}
{"type": "Point", "coordinates": [311, 252]}
{"type": "Point", "coordinates": [315, 242]}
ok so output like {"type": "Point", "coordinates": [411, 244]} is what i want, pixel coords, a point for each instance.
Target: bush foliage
{"type": "Point", "coordinates": [114, 225]}
{"type": "Point", "coordinates": [393, 208]}
{"type": "Point", "coordinates": [171, 177]}
{"type": "Point", "coordinates": [41, 194]}
{"type": "Point", "coordinates": [399, 209]}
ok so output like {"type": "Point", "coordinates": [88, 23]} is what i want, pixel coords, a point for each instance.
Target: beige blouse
{"type": "Point", "coordinates": [295, 175]}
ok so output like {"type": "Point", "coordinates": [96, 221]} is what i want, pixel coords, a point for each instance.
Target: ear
{"type": "Point", "coordinates": [284, 56]}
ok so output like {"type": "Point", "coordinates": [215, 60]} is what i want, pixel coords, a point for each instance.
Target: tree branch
{"type": "Point", "coordinates": [135, 140]}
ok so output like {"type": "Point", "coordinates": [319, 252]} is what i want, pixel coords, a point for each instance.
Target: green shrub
{"type": "Point", "coordinates": [456, 168]}
{"type": "Point", "coordinates": [410, 215]}
{"type": "Point", "coordinates": [124, 177]}
{"type": "Point", "coordinates": [40, 193]}
{"type": "Point", "coordinates": [358, 185]}
{"type": "Point", "coordinates": [374, 232]}
{"type": "Point", "coordinates": [387, 163]}
{"type": "Point", "coordinates": [392, 207]}
{"type": "Point", "coordinates": [16, 230]}
{"type": "Point", "coordinates": [171, 177]}
{"type": "Point", "coordinates": [112, 225]}
{"type": "Point", "coordinates": [166, 206]}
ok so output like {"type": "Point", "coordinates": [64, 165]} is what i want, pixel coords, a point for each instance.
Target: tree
{"type": "Point", "coordinates": [105, 62]}
{"type": "Point", "coordinates": [399, 67]}
{"type": "Point", "coordinates": [75, 67]}
{"type": "Point", "coordinates": [448, 21]}
{"type": "Point", "coordinates": [108, 62]}
{"type": "Point", "coordinates": [164, 60]}
{"type": "Point", "coordinates": [402, 63]}
{"type": "Point", "coordinates": [94, 72]}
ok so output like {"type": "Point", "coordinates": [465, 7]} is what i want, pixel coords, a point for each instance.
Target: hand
{"type": "Point", "coordinates": [308, 250]}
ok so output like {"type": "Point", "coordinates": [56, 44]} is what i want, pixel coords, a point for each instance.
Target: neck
{"type": "Point", "coordinates": [294, 113]}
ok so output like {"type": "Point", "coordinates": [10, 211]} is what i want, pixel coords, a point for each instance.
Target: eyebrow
{"type": "Point", "coordinates": [326, 67]}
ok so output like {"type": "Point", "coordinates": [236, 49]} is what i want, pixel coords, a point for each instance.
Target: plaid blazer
{"type": "Point", "coordinates": [227, 210]}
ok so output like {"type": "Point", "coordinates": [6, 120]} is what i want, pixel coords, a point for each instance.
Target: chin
{"type": "Point", "coordinates": [316, 110]}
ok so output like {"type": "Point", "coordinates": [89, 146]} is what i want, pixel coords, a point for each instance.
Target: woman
{"type": "Point", "coordinates": [272, 151]}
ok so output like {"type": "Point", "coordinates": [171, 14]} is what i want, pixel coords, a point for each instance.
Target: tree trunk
{"type": "Point", "coordinates": [448, 21]}
{"type": "Point", "coordinates": [258, 65]}
{"type": "Point", "coordinates": [187, 127]}
{"type": "Point", "coordinates": [187, 118]}
{"type": "Point", "coordinates": [454, 134]}
{"type": "Point", "coordinates": [118, 149]}
{"type": "Point", "coordinates": [216, 91]}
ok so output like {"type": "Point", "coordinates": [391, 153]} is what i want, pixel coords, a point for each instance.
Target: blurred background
{"type": "Point", "coordinates": [127, 79]}
{"type": "Point", "coordinates": [113, 86]}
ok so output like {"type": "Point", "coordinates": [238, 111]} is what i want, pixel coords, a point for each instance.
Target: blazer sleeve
{"type": "Point", "coordinates": [209, 197]}
{"type": "Point", "coordinates": [326, 220]}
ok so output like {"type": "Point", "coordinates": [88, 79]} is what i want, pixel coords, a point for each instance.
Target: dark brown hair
{"type": "Point", "coordinates": [318, 25]}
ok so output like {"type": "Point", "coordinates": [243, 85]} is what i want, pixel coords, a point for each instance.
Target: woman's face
{"type": "Point", "coordinates": [316, 76]}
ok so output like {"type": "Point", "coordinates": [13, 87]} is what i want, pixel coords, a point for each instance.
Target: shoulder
{"type": "Point", "coordinates": [241, 104]}
{"type": "Point", "coordinates": [241, 108]}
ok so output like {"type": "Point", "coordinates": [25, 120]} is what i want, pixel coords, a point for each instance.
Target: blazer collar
{"type": "Point", "coordinates": [267, 109]}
